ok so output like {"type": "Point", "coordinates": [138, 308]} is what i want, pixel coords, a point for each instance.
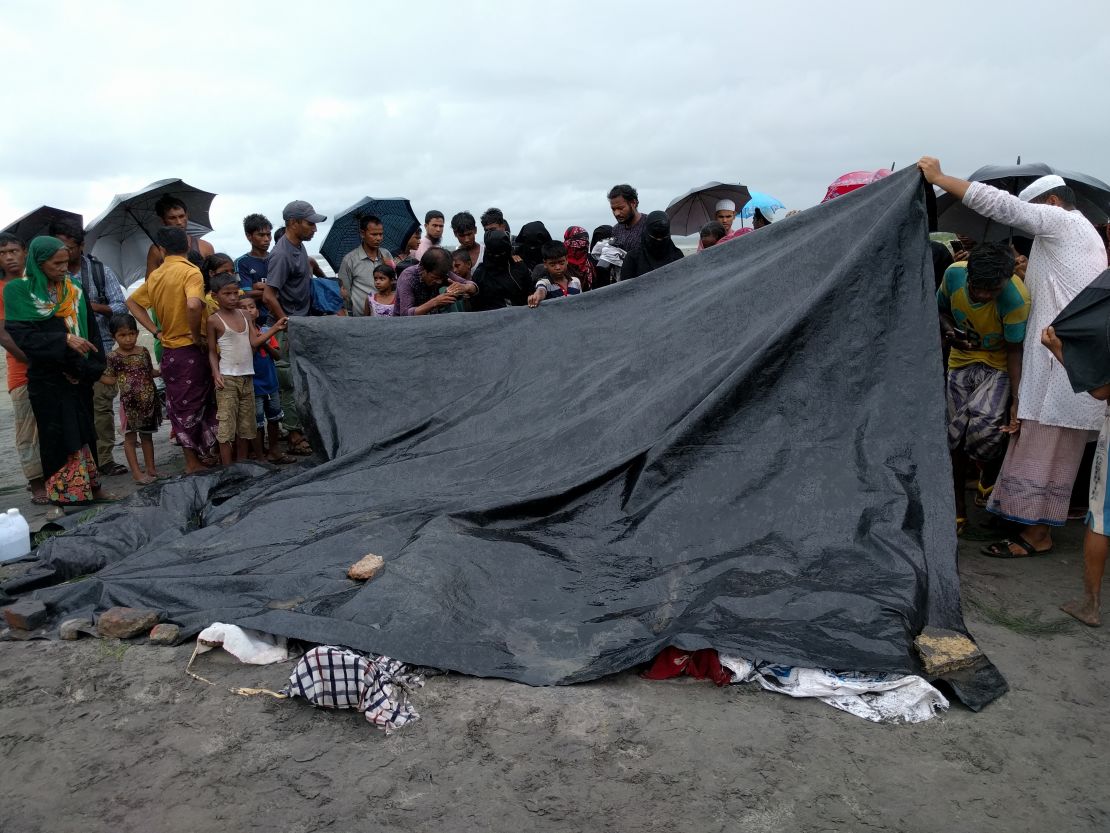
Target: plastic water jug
{"type": "Point", "coordinates": [15, 536]}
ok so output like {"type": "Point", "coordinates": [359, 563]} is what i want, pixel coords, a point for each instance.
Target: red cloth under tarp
{"type": "Point", "coordinates": [701, 665]}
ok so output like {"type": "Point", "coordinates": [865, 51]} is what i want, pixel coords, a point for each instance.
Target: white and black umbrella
{"type": "Point", "coordinates": [121, 236]}
{"type": "Point", "coordinates": [698, 206]}
{"type": "Point", "coordinates": [1092, 197]}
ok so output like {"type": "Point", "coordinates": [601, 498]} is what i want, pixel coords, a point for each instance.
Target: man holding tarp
{"type": "Point", "coordinates": [1041, 463]}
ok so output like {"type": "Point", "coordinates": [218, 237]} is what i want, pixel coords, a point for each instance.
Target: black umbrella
{"type": "Point", "coordinates": [343, 236]}
{"type": "Point", "coordinates": [1084, 329]}
{"type": "Point", "coordinates": [1092, 198]}
{"type": "Point", "coordinates": [698, 206]}
{"type": "Point", "coordinates": [37, 222]}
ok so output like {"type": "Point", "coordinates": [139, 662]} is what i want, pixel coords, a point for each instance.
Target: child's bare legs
{"type": "Point", "coordinates": [147, 442]}
{"type": "Point", "coordinates": [225, 453]}
{"type": "Point", "coordinates": [133, 458]}
{"type": "Point", "coordinates": [1086, 610]}
{"type": "Point", "coordinates": [241, 448]}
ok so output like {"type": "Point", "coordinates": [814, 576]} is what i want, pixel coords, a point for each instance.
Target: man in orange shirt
{"type": "Point", "coordinates": [175, 291]}
{"type": "Point", "coordinates": [12, 255]}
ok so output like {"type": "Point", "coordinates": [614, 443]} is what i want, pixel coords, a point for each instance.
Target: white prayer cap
{"type": "Point", "coordinates": [725, 205]}
{"type": "Point", "coordinates": [1041, 186]}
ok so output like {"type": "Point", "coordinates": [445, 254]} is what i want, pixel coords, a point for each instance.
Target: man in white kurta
{"type": "Point", "coordinates": [1043, 458]}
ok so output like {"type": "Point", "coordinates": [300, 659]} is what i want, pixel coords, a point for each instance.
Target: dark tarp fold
{"type": "Point", "coordinates": [744, 450]}
{"type": "Point", "coordinates": [1083, 327]}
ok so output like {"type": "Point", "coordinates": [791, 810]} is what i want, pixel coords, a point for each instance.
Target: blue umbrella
{"type": "Point", "coordinates": [764, 202]}
{"type": "Point", "coordinates": [396, 216]}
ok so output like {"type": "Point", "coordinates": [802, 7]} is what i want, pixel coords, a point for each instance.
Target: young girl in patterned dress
{"type": "Point", "coordinates": [385, 291]}
{"type": "Point", "coordinates": [131, 368]}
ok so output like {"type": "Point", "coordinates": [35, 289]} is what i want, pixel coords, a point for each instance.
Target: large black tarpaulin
{"type": "Point", "coordinates": [744, 450]}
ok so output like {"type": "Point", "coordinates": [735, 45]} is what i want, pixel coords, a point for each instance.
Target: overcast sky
{"type": "Point", "coordinates": [537, 108]}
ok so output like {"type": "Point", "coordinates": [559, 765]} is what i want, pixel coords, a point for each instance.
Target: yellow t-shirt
{"type": "Point", "coordinates": [167, 292]}
{"type": "Point", "coordinates": [992, 325]}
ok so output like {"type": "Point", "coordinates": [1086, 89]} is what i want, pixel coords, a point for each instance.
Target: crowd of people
{"type": "Point", "coordinates": [1015, 427]}
{"type": "Point", "coordinates": [1012, 412]}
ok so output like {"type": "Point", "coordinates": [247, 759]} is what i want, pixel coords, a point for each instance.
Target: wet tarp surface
{"type": "Point", "coordinates": [744, 450]}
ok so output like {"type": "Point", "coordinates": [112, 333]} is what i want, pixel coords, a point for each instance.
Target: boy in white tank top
{"type": "Point", "coordinates": [232, 340]}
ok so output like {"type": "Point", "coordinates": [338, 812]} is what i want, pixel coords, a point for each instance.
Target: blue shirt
{"type": "Point", "coordinates": [265, 372]}
{"type": "Point", "coordinates": [252, 270]}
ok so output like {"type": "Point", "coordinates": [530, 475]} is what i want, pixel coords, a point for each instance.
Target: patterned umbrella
{"type": "Point", "coordinates": [37, 222]}
{"type": "Point", "coordinates": [698, 206]}
{"type": "Point", "coordinates": [396, 216]}
{"type": "Point", "coordinates": [852, 181]}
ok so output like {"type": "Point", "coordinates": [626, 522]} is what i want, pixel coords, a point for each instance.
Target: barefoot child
{"type": "Point", "coordinates": [385, 291]}
{"type": "Point", "coordinates": [267, 399]}
{"type": "Point", "coordinates": [232, 340]}
{"type": "Point", "coordinates": [1096, 543]}
{"type": "Point", "coordinates": [130, 367]}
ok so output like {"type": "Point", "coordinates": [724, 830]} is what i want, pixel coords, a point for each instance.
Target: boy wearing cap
{"type": "Point", "coordinates": [288, 292]}
{"type": "Point", "coordinates": [1051, 420]}
{"type": "Point", "coordinates": [725, 214]}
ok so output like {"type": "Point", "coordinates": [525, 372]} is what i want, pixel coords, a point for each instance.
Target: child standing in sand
{"type": "Point", "coordinates": [232, 340]}
{"type": "Point", "coordinates": [130, 367]}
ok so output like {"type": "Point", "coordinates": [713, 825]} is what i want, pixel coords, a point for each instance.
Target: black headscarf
{"type": "Point", "coordinates": [656, 249]}
{"type": "Point", "coordinates": [529, 241]}
{"type": "Point", "coordinates": [502, 282]}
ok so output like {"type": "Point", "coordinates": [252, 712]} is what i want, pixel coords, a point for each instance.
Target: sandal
{"type": "Point", "coordinates": [281, 460]}
{"type": "Point", "coordinates": [40, 500]}
{"type": "Point", "coordinates": [301, 448]}
{"type": "Point", "coordinates": [961, 524]}
{"type": "Point", "coordinates": [983, 495]}
{"type": "Point", "coordinates": [1001, 549]}
{"type": "Point", "coordinates": [113, 469]}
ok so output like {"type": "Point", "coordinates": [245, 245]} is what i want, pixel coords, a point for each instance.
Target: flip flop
{"type": "Point", "coordinates": [961, 524]}
{"type": "Point", "coordinates": [1001, 549]}
{"type": "Point", "coordinates": [40, 500]}
{"type": "Point", "coordinates": [983, 495]}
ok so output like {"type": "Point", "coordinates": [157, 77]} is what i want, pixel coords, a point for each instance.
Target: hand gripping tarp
{"type": "Point", "coordinates": [744, 450]}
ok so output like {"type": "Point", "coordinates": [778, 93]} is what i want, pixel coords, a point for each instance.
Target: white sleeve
{"type": "Point", "coordinates": [1008, 210]}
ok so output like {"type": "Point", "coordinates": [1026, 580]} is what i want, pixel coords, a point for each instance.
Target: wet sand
{"type": "Point", "coordinates": [101, 735]}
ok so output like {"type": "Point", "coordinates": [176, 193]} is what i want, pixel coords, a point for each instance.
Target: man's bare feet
{"type": "Point", "coordinates": [144, 479]}
{"type": "Point", "coordinates": [1086, 610]}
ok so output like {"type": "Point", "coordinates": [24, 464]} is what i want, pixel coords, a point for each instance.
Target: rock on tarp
{"type": "Point", "coordinates": [744, 450]}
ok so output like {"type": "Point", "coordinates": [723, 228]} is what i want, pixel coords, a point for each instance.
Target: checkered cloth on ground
{"type": "Point", "coordinates": [335, 678]}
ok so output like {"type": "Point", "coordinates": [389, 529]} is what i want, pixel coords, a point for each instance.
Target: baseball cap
{"type": "Point", "coordinates": [301, 210]}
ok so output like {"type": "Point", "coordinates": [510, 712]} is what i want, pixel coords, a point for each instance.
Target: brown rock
{"type": "Point", "coordinates": [943, 651]}
{"type": "Point", "coordinates": [165, 634]}
{"type": "Point", "coordinates": [26, 615]}
{"type": "Point", "coordinates": [366, 567]}
{"type": "Point", "coordinates": [125, 622]}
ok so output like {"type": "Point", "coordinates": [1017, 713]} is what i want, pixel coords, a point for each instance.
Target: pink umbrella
{"type": "Point", "coordinates": [850, 182]}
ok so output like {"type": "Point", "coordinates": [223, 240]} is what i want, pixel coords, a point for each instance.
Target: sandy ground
{"type": "Point", "coordinates": [101, 735]}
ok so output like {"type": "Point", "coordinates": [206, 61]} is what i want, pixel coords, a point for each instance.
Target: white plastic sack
{"type": "Point", "coordinates": [880, 698]}
{"type": "Point", "coordinates": [245, 645]}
